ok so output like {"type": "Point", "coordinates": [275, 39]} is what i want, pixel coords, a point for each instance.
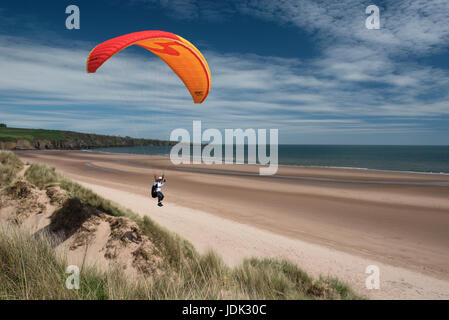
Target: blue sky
{"type": "Point", "coordinates": [309, 68]}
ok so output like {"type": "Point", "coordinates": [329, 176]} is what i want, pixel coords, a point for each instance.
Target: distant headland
{"type": "Point", "coordinates": [26, 139]}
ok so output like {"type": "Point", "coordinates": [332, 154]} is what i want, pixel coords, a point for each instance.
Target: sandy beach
{"type": "Point", "coordinates": [328, 221]}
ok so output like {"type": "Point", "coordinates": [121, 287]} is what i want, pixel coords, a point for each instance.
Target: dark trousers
{"type": "Point", "coordinates": [160, 196]}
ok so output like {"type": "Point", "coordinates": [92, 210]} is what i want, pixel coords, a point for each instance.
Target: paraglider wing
{"type": "Point", "coordinates": [180, 55]}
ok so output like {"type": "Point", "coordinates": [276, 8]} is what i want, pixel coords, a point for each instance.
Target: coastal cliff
{"type": "Point", "coordinates": [26, 139]}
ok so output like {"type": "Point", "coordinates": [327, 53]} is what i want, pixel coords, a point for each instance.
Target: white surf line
{"type": "Point", "coordinates": [235, 241]}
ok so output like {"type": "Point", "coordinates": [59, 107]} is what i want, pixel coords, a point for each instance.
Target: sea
{"type": "Point", "coordinates": [428, 159]}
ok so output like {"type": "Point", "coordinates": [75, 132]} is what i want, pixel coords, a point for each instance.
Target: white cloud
{"type": "Point", "coordinates": [415, 26]}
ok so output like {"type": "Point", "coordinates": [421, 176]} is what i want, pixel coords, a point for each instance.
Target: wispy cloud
{"type": "Point", "coordinates": [408, 25]}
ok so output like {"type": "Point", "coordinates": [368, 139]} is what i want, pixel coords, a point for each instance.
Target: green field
{"type": "Point", "coordinates": [13, 134]}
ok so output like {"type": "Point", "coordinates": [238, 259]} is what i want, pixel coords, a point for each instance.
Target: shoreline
{"type": "Point", "coordinates": [280, 165]}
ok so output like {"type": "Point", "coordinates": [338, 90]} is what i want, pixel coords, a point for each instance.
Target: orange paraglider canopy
{"type": "Point", "coordinates": [180, 55]}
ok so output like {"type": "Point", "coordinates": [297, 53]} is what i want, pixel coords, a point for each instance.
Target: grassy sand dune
{"type": "Point", "coordinates": [10, 165]}
{"type": "Point", "coordinates": [31, 268]}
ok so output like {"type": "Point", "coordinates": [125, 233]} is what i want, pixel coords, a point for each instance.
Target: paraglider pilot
{"type": "Point", "coordinates": [156, 189]}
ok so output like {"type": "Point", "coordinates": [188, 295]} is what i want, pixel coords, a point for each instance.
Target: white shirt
{"type": "Point", "coordinates": [158, 185]}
